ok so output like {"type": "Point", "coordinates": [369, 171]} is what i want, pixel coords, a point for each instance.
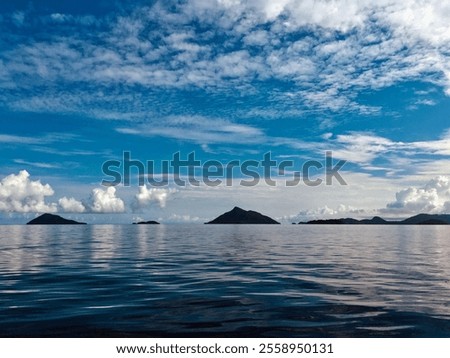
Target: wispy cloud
{"type": "Point", "coordinates": [70, 153]}
{"type": "Point", "coordinates": [39, 139]}
{"type": "Point", "coordinates": [365, 148]}
{"type": "Point", "coordinates": [371, 152]}
{"type": "Point", "coordinates": [438, 147]}
{"type": "Point", "coordinates": [14, 139]}
{"type": "Point", "coordinates": [37, 164]}
{"type": "Point", "coordinates": [201, 130]}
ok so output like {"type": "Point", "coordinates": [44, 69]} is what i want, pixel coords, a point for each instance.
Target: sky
{"type": "Point", "coordinates": [82, 82]}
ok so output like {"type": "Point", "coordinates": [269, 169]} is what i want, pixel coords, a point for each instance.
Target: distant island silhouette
{"type": "Point", "coordinates": [241, 216]}
{"type": "Point", "coordinates": [420, 219]}
{"type": "Point", "coordinates": [151, 222]}
{"type": "Point", "coordinates": [50, 219]}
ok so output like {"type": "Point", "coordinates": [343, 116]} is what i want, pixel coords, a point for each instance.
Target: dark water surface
{"type": "Point", "coordinates": [224, 281]}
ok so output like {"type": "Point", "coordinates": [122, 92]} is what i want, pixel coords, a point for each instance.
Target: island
{"type": "Point", "coordinates": [241, 216]}
{"type": "Point", "coordinates": [420, 219]}
{"type": "Point", "coordinates": [50, 219]}
{"type": "Point", "coordinates": [151, 222]}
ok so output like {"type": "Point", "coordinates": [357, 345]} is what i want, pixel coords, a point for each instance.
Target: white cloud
{"type": "Point", "coordinates": [361, 148]}
{"type": "Point", "coordinates": [202, 130]}
{"type": "Point", "coordinates": [439, 147]}
{"type": "Point", "coordinates": [20, 194]}
{"type": "Point", "coordinates": [37, 164]}
{"type": "Point", "coordinates": [176, 218]}
{"type": "Point", "coordinates": [426, 102]}
{"type": "Point", "coordinates": [13, 139]}
{"type": "Point", "coordinates": [71, 205]}
{"type": "Point", "coordinates": [57, 17]}
{"type": "Point", "coordinates": [325, 212]}
{"type": "Point", "coordinates": [38, 140]}
{"type": "Point", "coordinates": [381, 43]}
{"type": "Point", "coordinates": [18, 18]}
{"type": "Point", "coordinates": [434, 197]}
{"type": "Point", "coordinates": [364, 147]}
{"type": "Point", "coordinates": [147, 196]}
{"type": "Point", "coordinates": [105, 201]}
{"type": "Point", "coordinates": [257, 38]}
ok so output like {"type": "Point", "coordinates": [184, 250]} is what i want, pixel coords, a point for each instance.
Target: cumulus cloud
{"type": "Point", "coordinates": [147, 196]}
{"type": "Point", "coordinates": [20, 194]}
{"type": "Point", "coordinates": [71, 205]}
{"type": "Point", "coordinates": [100, 201]}
{"type": "Point", "coordinates": [433, 198]}
{"type": "Point", "coordinates": [326, 212]}
{"type": "Point", "coordinates": [105, 201]}
{"type": "Point", "coordinates": [186, 219]}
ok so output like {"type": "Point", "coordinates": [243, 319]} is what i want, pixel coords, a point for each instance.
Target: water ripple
{"type": "Point", "coordinates": [224, 281]}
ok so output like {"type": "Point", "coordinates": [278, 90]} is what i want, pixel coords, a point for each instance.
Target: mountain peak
{"type": "Point", "coordinates": [240, 216]}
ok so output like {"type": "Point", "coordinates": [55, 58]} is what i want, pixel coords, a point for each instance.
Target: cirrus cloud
{"type": "Point", "coordinates": [198, 129]}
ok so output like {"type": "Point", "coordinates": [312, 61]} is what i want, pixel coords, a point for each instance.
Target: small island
{"type": "Point", "coordinates": [50, 219]}
{"type": "Point", "coordinates": [241, 216]}
{"type": "Point", "coordinates": [151, 222]}
{"type": "Point", "coordinates": [421, 219]}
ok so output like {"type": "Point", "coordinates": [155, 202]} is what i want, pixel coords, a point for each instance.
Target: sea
{"type": "Point", "coordinates": [224, 281]}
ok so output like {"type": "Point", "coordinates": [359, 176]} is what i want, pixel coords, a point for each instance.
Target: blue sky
{"type": "Point", "coordinates": [81, 82]}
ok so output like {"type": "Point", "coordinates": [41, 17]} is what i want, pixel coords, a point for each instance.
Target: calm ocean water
{"type": "Point", "coordinates": [224, 281]}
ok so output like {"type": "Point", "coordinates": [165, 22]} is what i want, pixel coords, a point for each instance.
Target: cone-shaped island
{"type": "Point", "coordinates": [241, 216]}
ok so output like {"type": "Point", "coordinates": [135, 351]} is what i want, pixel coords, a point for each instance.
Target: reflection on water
{"type": "Point", "coordinates": [231, 280]}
